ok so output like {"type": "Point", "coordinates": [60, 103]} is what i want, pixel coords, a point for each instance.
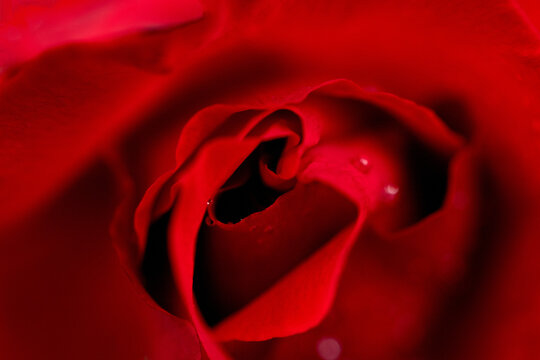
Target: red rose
{"type": "Point", "coordinates": [339, 180]}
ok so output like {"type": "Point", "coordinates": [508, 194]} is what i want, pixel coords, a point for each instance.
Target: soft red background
{"type": "Point", "coordinates": [76, 119]}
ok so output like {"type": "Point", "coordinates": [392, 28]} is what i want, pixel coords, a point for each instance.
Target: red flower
{"type": "Point", "coordinates": [300, 180]}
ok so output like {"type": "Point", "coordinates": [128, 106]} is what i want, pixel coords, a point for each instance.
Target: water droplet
{"type": "Point", "coordinates": [391, 191]}
{"type": "Point", "coordinates": [328, 348]}
{"type": "Point", "coordinates": [209, 202]}
{"type": "Point", "coordinates": [362, 164]}
{"type": "Point", "coordinates": [253, 228]}
{"type": "Point", "coordinates": [208, 221]}
{"type": "Point", "coordinates": [269, 229]}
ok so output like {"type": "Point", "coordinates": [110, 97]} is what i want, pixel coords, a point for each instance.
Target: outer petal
{"type": "Point", "coordinates": [59, 111]}
{"type": "Point", "coordinates": [29, 27]}
{"type": "Point", "coordinates": [65, 295]}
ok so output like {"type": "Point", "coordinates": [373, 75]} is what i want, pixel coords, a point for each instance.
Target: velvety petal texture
{"type": "Point", "coordinates": [269, 180]}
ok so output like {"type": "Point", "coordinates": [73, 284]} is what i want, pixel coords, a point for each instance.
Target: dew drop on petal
{"type": "Point", "coordinates": [253, 228]}
{"type": "Point", "coordinates": [362, 164]}
{"type": "Point", "coordinates": [328, 348]}
{"type": "Point", "coordinates": [391, 191]}
{"type": "Point", "coordinates": [269, 229]}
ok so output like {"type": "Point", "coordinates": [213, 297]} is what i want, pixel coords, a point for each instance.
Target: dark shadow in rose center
{"type": "Point", "coordinates": [155, 270]}
{"type": "Point", "coordinates": [258, 234]}
{"type": "Point", "coordinates": [248, 194]}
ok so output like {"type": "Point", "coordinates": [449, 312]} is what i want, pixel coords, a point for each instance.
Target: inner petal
{"type": "Point", "coordinates": [245, 192]}
{"type": "Point", "coordinates": [419, 161]}
{"type": "Point", "coordinates": [237, 262]}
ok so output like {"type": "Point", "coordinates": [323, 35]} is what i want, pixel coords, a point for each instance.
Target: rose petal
{"type": "Point", "coordinates": [239, 261]}
{"type": "Point", "coordinates": [388, 294]}
{"type": "Point", "coordinates": [79, 108]}
{"type": "Point", "coordinates": [421, 121]}
{"type": "Point", "coordinates": [28, 28]}
{"type": "Point", "coordinates": [219, 158]}
{"type": "Point", "coordinates": [296, 303]}
{"type": "Point", "coordinates": [530, 12]}
{"type": "Point", "coordinates": [64, 293]}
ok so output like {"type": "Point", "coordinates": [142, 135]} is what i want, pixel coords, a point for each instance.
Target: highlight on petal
{"type": "Point", "coordinates": [530, 12]}
{"type": "Point", "coordinates": [61, 110]}
{"type": "Point", "coordinates": [30, 27]}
